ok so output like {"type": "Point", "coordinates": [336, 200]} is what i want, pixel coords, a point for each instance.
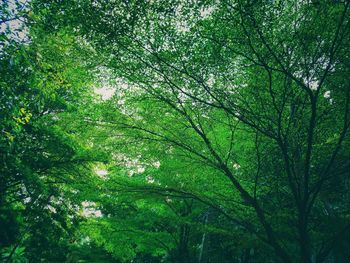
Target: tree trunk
{"type": "Point", "coordinates": [304, 239]}
{"type": "Point", "coordinates": [202, 251]}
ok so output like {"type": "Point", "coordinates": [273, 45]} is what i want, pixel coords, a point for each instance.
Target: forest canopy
{"type": "Point", "coordinates": [175, 131]}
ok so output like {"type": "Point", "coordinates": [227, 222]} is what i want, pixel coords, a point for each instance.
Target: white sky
{"type": "Point", "coordinates": [105, 92]}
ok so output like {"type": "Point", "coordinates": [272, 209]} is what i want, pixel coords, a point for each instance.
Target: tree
{"type": "Point", "coordinates": [243, 106]}
{"type": "Point", "coordinates": [42, 163]}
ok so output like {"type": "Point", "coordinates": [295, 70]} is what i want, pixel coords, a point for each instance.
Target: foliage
{"type": "Point", "coordinates": [226, 138]}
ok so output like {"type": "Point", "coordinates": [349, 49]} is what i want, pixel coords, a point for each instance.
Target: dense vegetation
{"type": "Point", "coordinates": [174, 131]}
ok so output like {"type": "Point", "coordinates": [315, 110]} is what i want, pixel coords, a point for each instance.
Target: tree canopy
{"type": "Point", "coordinates": [175, 131]}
